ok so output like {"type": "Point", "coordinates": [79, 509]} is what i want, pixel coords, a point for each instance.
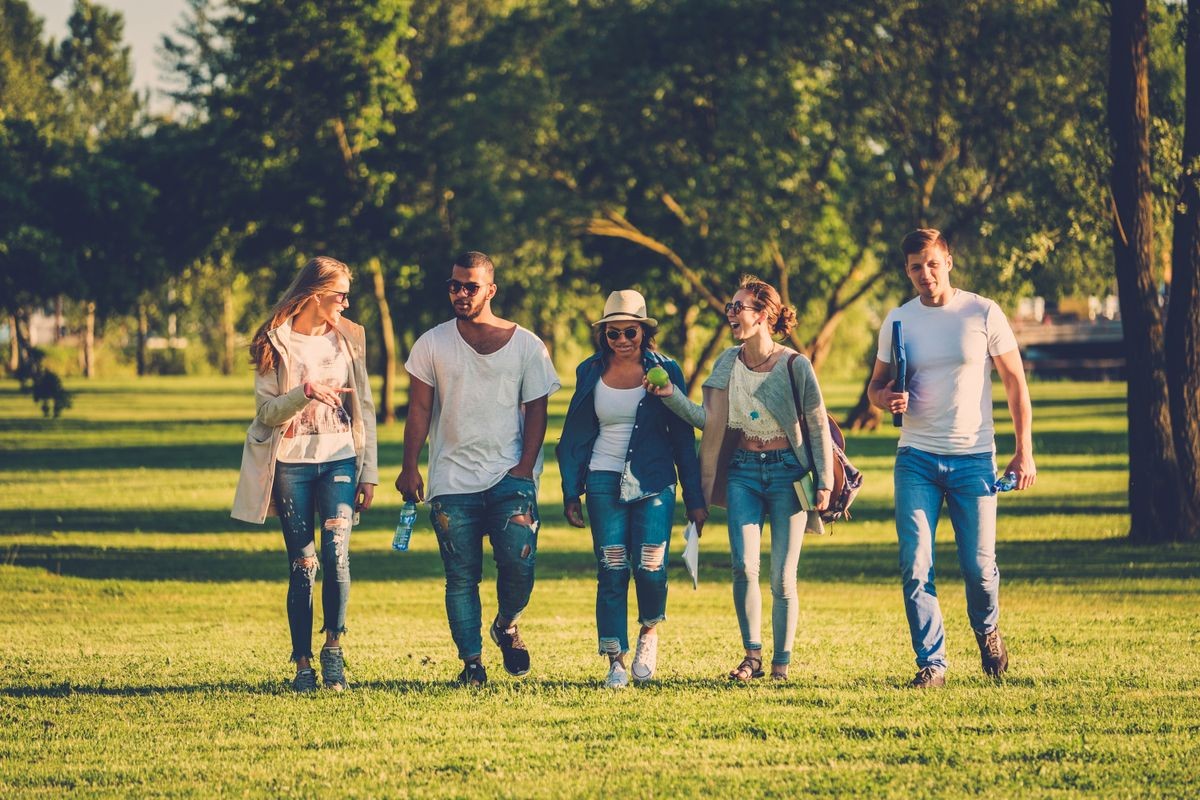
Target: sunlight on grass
{"type": "Point", "coordinates": [147, 642]}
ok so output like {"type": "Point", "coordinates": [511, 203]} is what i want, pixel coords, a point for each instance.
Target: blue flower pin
{"type": "Point", "coordinates": [754, 415]}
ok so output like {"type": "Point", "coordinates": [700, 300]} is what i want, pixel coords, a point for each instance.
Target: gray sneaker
{"type": "Point", "coordinates": [333, 668]}
{"type": "Point", "coordinates": [645, 658]}
{"type": "Point", "coordinates": [617, 678]}
{"type": "Point", "coordinates": [305, 680]}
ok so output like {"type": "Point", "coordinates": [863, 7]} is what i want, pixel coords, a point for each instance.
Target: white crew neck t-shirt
{"type": "Point", "coordinates": [478, 421]}
{"type": "Point", "coordinates": [949, 351]}
{"type": "Point", "coordinates": [319, 433]}
{"type": "Point", "coordinates": [617, 411]}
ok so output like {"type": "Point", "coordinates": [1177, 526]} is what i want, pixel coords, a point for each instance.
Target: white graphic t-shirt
{"type": "Point", "coordinates": [949, 352]}
{"type": "Point", "coordinates": [319, 433]}
{"type": "Point", "coordinates": [478, 420]}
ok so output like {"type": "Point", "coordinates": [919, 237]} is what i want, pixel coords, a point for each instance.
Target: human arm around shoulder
{"type": "Point", "coordinates": [1012, 374]}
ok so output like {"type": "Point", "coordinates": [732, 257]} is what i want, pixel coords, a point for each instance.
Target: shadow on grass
{"type": "Point", "coordinates": [1059, 561]}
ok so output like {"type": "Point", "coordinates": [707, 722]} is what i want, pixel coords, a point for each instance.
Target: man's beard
{"type": "Point", "coordinates": [468, 315]}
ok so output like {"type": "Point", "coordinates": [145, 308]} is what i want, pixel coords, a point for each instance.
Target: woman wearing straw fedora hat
{"type": "Point", "coordinates": [751, 454]}
{"type": "Point", "coordinates": [622, 449]}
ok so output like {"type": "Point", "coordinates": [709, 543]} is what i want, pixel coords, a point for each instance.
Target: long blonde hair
{"type": "Point", "coordinates": [316, 276]}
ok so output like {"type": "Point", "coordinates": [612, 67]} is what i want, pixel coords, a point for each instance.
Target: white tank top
{"type": "Point", "coordinates": [746, 412]}
{"type": "Point", "coordinates": [617, 410]}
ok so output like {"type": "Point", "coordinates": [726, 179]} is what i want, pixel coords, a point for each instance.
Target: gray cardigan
{"type": "Point", "coordinates": [775, 393]}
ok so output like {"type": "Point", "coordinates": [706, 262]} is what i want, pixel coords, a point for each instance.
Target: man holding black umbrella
{"type": "Point", "coordinates": [947, 446]}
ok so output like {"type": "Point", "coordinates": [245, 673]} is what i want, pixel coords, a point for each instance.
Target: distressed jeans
{"type": "Point", "coordinates": [460, 522]}
{"type": "Point", "coordinates": [923, 480]}
{"type": "Point", "coordinates": [760, 486]}
{"type": "Point", "coordinates": [326, 490]}
{"type": "Point", "coordinates": [641, 528]}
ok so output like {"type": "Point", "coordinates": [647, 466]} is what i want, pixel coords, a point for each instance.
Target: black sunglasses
{"type": "Point", "coordinates": [737, 306]}
{"type": "Point", "coordinates": [471, 288]}
{"type": "Point", "coordinates": [630, 333]}
{"type": "Point", "coordinates": [342, 297]}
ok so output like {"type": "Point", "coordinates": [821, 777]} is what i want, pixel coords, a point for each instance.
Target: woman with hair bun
{"type": "Point", "coordinates": [751, 453]}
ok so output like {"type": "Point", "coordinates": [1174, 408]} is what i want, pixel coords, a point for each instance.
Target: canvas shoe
{"type": "Point", "coordinates": [513, 649]}
{"type": "Point", "coordinates": [645, 658]}
{"type": "Point", "coordinates": [929, 678]}
{"type": "Point", "coordinates": [992, 652]}
{"type": "Point", "coordinates": [473, 674]}
{"type": "Point", "coordinates": [333, 668]}
{"type": "Point", "coordinates": [305, 680]}
{"type": "Point", "coordinates": [617, 678]}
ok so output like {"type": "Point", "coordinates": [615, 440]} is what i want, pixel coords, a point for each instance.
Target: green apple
{"type": "Point", "coordinates": [658, 377]}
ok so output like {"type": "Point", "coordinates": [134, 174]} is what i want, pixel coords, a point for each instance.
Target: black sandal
{"type": "Point", "coordinates": [749, 668]}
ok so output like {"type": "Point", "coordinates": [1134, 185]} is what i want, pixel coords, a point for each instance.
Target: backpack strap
{"type": "Point", "coordinates": [812, 462]}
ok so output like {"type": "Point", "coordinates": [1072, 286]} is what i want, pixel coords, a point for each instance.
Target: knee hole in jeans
{"type": "Point", "coordinates": [652, 557]}
{"type": "Point", "coordinates": [614, 557]}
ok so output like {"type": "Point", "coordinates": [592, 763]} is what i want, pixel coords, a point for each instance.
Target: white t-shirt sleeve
{"type": "Point", "coordinates": [884, 353]}
{"type": "Point", "coordinates": [539, 378]}
{"type": "Point", "coordinates": [1000, 335]}
{"type": "Point", "coordinates": [420, 361]}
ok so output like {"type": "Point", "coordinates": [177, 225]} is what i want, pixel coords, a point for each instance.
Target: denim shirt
{"type": "Point", "coordinates": [661, 444]}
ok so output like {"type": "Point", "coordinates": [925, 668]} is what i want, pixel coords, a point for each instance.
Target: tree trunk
{"type": "Point", "coordinates": [14, 349]}
{"type": "Point", "coordinates": [707, 356]}
{"type": "Point", "coordinates": [143, 333]}
{"type": "Point", "coordinates": [385, 409]}
{"type": "Point", "coordinates": [228, 332]}
{"type": "Point", "coordinates": [864, 416]}
{"type": "Point", "coordinates": [1154, 484]}
{"type": "Point", "coordinates": [1183, 316]}
{"type": "Point", "coordinates": [58, 318]}
{"type": "Point", "coordinates": [89, 339]}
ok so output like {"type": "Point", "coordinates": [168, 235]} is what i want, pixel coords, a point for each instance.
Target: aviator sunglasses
{"type": "Point", "coordinates": [471, 288]}
{"type": "Point", "coordinates": [630, 334]}
{"type": "Point", "coordinates": [737, 306]}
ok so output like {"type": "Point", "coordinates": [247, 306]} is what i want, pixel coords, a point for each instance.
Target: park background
{"type": "Point", "coordinates": [669, 146]}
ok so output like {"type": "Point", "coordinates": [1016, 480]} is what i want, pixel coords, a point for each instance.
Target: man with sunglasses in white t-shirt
{"type": "Point", "coordinates": [479, 391]}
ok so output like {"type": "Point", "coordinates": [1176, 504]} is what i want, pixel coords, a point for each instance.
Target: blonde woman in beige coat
{"type": "Point", "coordinates": [310, 452]}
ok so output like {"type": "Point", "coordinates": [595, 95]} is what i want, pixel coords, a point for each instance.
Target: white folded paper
{"type": "Point", "coordinates": [691, 552]}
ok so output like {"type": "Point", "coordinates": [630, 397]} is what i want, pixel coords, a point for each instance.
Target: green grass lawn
{"type": "Point", "coordinates": [146, 647]}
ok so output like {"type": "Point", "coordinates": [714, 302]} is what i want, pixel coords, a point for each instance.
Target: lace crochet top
{"type": "Point", "coordinates": [746, 412]}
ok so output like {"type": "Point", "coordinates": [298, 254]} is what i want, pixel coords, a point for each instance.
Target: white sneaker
{"type": "Point", "coordinates": [645, 659]}
{"type": "Point", "coordinates": [617, 678]}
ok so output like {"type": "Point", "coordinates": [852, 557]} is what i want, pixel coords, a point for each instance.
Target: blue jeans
{"type": "Point", "coordinates": [923, 480]}
{"type": "Point", "coordinates": [760, 485]}
{"type": "Point", "coordinates": [300, 491]}
{"type": "Point", "coordinates": [618, 529]}
{"type": "Point", "coordinates": [507, 513]}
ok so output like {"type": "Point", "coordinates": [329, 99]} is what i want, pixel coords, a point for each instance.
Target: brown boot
{"type": "Point", "coordinates": [992, 652]}
{"type": "Point", "coordinates": [929, 678]}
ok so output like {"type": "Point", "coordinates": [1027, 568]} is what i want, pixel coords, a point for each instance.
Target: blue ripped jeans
{"type": "Point", "coordinates": [326, 490]}
{"type": "Point", "coordinates": [460, 522]}
{"type": "Point", "coordinates": [641, 528]}
{"type": "Point", "coordinates": [965, 483]}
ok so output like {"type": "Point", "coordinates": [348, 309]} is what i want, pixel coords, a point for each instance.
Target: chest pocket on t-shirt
{"type": "Point", "coordinates": [508, 390]}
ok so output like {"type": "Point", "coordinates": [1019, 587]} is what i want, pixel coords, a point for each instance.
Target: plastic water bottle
{"type": "Point", "coordinates": [1007, 483]}
{"type": "Point", "coordinates": [404, 528]}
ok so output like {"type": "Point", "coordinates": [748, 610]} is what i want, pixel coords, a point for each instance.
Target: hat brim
{"type": "Point", "coordinates": [621, 316]}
